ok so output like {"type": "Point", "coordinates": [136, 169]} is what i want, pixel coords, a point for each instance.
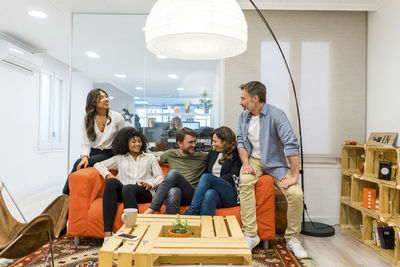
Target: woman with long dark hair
{"type": "Point", "coordinates": [216, 188]}
{"type": "Point", "coordinates": [139, 174]}
{"type": "Point", "coordinates": [98, 131]}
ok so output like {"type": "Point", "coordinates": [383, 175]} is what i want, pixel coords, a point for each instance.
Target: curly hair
{"type": "Point", "coordinates": [91, 101]}
{"type": "Point", "coordinates": [121, 141]}
{"type": "Point", "coordinates": [228, 136]}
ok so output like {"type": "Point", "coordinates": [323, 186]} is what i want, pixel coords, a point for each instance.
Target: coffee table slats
{"type": "Point", "coordinates": [194, 260]}
{"type": "Point", "coordinates": [220, 227]}
{"type": "Point", "coordinates": [207, 227]}
{"type": "Point", "coordinates": [178, 252]}
{"type": "Point", "coordinates": [234, 227]}
{"type": "Point", "coordinates": [107, 252]}
{"type": "Point", "coordinates": [125, 252]}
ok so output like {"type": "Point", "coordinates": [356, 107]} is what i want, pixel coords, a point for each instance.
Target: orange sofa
{"type": "Point", "coordinates": [86, 206]}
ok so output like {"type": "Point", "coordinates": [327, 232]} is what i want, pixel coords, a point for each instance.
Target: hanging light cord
{"type": "Point", "coordinates": [295, 98]}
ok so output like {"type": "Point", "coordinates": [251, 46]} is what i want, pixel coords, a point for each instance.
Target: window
{"type": "Point", "coordinates": [50, 113]}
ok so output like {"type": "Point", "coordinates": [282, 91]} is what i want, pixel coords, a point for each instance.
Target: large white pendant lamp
{"type": "Point", "coordinates": [196, 29]}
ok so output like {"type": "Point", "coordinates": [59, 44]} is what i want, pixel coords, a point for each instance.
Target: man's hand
{"type": "Point", "coordinates": [287, 181]}
{"type": "Point", "coordinates": [248, 169]}
{"type": "Point", "coordinates": [84, 162]}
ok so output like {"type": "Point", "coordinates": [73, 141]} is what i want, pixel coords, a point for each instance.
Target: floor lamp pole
{"type": "Point", "coordinates": [307, 228]}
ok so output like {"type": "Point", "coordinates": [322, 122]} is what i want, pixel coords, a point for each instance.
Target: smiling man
{"type": "Point", "coordinates": [266, 141]}
{"type": "Point", "coordinates": [186, 166]}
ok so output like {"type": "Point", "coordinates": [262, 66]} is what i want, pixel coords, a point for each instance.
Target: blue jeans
{"type": "Point", "coordinates": [212, 192]}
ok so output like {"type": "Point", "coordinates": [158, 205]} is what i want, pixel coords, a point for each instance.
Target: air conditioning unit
{"type": "Point", "coordinates": [18, 58]}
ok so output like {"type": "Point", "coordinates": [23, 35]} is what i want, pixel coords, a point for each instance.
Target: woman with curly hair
{"type": "Point", "coordinates": [216, 188]}
{"type": "Point", "coordinates": [98, 131]}
{"type": "Point", "coordinates": [139, 174]}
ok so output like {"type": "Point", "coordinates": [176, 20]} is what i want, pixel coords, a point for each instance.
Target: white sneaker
{"type": "Point", "coordinates": [106, 239]}
{"type": "Point", "coordinates": [252, 241]}
{"type": "Point", "coordinates": [295, 246]}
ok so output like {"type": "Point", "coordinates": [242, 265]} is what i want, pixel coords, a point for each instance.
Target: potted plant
{"type": "Point", "coordinates": [179, 228]}
{"type": "Point", "coordinates": [205, 101]}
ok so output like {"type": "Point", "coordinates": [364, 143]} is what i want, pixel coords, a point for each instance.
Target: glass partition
{"type": "Point", "coordinates": [155, 94]}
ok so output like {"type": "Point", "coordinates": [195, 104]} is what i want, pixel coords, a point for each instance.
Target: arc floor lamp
{"type": "Point", "coordinates": [213, 29]}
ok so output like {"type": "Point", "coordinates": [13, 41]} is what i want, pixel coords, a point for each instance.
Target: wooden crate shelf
{"type": "Point", "coordinates": [354, 218]}
{"type": "Point", "coordinates": [352, 159]}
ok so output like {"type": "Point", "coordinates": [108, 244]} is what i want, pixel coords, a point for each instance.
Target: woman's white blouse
{"type": "Point", "coordinates": [130, 171]}
{"type": "Point", "coordinates": [103, 139]}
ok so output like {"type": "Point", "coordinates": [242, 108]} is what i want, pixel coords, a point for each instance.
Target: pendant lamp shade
{"type": "Point", "coordinates": [196, 29]}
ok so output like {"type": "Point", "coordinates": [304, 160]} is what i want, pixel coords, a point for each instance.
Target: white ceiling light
{"type": "Point", "coordinates": [92, 54]}
{"type": "Point", "coordinates": [120, 75]}
{"type": "Point", "coordinates": [111, 97]}
{"type": "Point", "coordinates": [139, 88]}
{"type": "Point", "coordinates": [37, 14]}
{"type": "Point", "coordinates": [15, 50]}
{"type": "Point", "coordinates": [196, 29]}
{"type": "Point", "coordinates": [173, 76]}
{"type": "Point", "coordinates": [180, 88]}
{"type": "Point", "coordinates": [162, 57]}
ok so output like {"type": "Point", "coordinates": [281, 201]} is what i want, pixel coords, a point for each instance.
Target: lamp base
{"type": "Point", "coordinates": [317, 229]}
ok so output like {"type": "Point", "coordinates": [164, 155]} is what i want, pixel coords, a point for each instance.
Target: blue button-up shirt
{"type": "Point", "coordinates": [277, 139]}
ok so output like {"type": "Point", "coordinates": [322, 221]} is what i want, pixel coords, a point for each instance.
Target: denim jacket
{"type": "Point", "coordinates": [277, 139]}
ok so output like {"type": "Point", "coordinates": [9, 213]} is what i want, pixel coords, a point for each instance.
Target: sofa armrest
{"type": "Point", "coordinates": [85, 185]}
{"type": "Point", "coordinates": [265, 207]}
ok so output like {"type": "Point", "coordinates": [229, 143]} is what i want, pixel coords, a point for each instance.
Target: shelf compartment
{"type": "Point", "coordinates": [352, 159]}
{"type": "Point", "coordinates": [346, 186]}
{"type": "Point", "coordinates": [389, 200]}
{"type": "Point", "coordinates": [357, 187]}
{"type": "Point", "coordinates": [369, 239]}
{"type": "Point", "coordinates": [352, 220]}
{"type": "Point", "coordinates": [376, 154]}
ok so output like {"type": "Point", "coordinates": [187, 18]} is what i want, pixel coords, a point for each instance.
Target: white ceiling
{"type": "Point", "coordinates": [111, 41]}
{"type": "Point", "coordinates": [122, 51]}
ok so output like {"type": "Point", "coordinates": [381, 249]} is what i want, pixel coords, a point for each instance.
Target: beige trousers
{"type": "Point", "coordinates": [294, 196]}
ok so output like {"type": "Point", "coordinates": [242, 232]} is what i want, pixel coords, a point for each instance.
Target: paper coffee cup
{"type": "Point", "coordinates": [129, 217]}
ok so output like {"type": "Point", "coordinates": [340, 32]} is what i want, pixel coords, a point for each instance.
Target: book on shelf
{"type": "Point", "coordinates": [375, 233]}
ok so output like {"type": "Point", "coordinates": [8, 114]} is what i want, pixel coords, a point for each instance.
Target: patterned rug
{"type": "Point", "coordinates": [86, 255]}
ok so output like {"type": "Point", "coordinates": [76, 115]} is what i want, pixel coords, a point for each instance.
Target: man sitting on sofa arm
{"type": "Point", "coordinates": [186, 166]}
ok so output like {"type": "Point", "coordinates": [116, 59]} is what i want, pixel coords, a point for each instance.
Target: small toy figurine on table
{"type": "Point", "coordinates": [352, 143]}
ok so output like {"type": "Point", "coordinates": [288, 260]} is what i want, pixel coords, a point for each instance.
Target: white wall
{"type": "Point", "coordinates": [80, 86]}
{"type": "Point", "coordinates": [23, 167]}
{"type": "Point", "coordinates": [383, 87]}
{"type": "Point", "coordinates": [332, 103]}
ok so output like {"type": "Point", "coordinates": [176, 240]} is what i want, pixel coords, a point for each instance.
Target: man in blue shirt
{"type": "Point", "coordinates": [266, 141]}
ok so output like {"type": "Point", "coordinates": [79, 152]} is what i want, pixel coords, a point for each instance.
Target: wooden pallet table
{"type": "Point", "coordinates": [212, 240]}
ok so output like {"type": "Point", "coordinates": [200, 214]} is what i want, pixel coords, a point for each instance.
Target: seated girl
{"type": "Point", "coordinates": [98, 131]}
{"type": "Point", "coordinates": [216, 188]}
{"type": "Point", "coordinates": [138, 175]}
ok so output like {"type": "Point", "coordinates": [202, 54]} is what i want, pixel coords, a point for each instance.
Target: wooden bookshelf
{"type": "Point", "coordinates": [360, 168]}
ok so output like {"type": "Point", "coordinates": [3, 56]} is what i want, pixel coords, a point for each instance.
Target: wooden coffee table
{"type": "Point", "coordinates": [212, 240]}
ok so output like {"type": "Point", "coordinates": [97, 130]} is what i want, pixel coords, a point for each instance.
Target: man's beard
{"type": "Point", "coordinates": [250, 107]}
{"type": "Point", "coordinates": [188, 151]}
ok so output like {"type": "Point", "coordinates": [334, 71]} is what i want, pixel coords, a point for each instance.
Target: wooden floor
{"type": "Point", "coordinates": [336, 251]}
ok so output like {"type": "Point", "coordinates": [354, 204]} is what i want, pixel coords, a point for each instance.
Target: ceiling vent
{"type": "Point", "coordinates": [17, 58]}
